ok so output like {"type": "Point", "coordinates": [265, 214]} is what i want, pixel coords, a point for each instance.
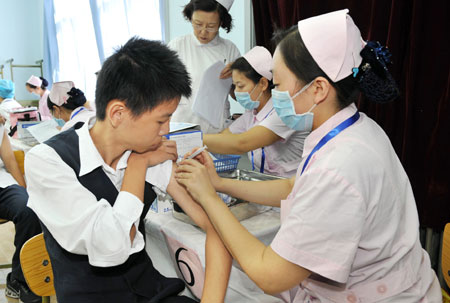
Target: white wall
{"type": "Point", "coordinates": [241, 34]}
{"type": "Point", "coordinates": [21, 32]}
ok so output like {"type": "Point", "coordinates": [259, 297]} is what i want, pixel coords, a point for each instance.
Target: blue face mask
{"type": "Point", "coordinates": [60, 122]}
{"type": "Point", "coordinates": [246, 101]}
{"type": "Point", "coordinates": [284, 106]}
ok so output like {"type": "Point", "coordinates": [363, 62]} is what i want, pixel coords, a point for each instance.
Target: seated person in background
{"type": "Point", "coordinates": [7, 102]}
{"type": "Point", "coordinates": [272, 147]}
{"type": "Point", "coordinates": [68, 104]}
{"type": "Point", "coordinates": [91, 186]}
{"type": "Point", "coordinates": [13, 207]}
{"type": "Point", "coordinates": [38, 87]}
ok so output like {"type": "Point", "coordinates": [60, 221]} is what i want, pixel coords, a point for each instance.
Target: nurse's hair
{"type": "Point", "coordinates": [300, 62]}
{"type": "Point", "coordinates": [243, 66]}
{"type": "Point", "coordinates": [226, 21]}
{"type": "Point", "coordinates": [143, 74]}
{"type": "Point", "coordinates": [75, 100]}
{"type": "Point", "coordinates": [43, 85]}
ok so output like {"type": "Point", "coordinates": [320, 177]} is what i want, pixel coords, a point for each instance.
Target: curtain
{"type": "Point", "coordinates": [80, 35]}
{"type": "Point", "coordinates": [418, 122]}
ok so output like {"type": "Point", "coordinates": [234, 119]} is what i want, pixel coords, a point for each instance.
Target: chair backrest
{"type": "Point", "coordinates": [36, 266]}
{"type": "Point", "coordinates": [20, 157]}
{"type": "Point", "coordinates": [446, 254]}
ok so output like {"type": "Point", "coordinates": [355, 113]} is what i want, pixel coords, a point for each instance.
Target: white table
{"type": "Point", "coordinates": [179, 259]}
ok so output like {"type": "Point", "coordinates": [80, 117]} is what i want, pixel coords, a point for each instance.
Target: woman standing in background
{"type": "Point", "coordinates": [38, 87]}
{"type": "Point", "coordinates": [200, 50]}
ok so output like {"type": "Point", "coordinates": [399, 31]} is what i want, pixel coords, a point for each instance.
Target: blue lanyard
{"type": "Point", "coordinates": [263, 158]}
{"type": "Point", "coordinates": [263, 154]}
{"type": "Point", "coordinates": [73, 116]}
{"type": "Point", "coordinates": [333, 133]}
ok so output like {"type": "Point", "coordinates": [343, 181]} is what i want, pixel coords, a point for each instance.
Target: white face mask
{"type": "Point", "coordinates": [35, 94]}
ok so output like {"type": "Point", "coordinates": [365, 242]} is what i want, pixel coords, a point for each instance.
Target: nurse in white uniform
{"type": "Point", "coordinates": [200, 50]}
{"type": "Point", "coordinates": [68, 104]}
{"type": "Point", "coordinates": [350, 228]}
{"type": "Point", "coordinates": [7, 102]}
{"type": "Point", "coordinates": [38, 87]}
{"type": "Point", "coordinates": [272, 147]}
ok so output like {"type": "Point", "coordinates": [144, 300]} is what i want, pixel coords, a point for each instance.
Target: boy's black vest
{"type": "Point", "coordinates": [75, 279]}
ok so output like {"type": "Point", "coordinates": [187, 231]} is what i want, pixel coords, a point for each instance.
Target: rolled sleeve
{"type": "Point", "coordinates": [159, 175]}
{"type": "Point", "coordinates": [241, 123]}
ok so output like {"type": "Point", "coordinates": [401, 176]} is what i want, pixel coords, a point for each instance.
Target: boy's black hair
{"type": "Point", "coordinates": [143, 74]}
{"type": "Point", "coordinates": [226, 21]}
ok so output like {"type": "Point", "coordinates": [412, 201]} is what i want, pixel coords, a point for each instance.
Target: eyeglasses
{"type": "Point", "coordinates": [209, 29]}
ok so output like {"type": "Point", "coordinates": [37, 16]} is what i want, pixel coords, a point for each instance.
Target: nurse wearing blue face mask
{"type": "Point", "coordinates": [68, 105]}
{"type": "Point", "coordinates": [271, 145]}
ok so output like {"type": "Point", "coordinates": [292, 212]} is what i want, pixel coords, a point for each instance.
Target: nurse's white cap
{"type": "Point", "coordinates": [261, 61]}
{"type": "Point", "coordinates": [58, 94]}
{"type": "Point", "coordinates": [334, 42]}
{"type": "Point", "coordinates": [226, 3]}
{"type": "Point", "coordinates": [35, 81]}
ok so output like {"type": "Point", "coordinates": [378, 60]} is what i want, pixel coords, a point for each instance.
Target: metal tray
{"type": "Point", "coordinates": [241, 209]}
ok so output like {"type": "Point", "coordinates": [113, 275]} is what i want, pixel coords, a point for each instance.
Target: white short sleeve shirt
{"type": "Point", "coordinates": [351, 219]}
{"type": "Point", "coordinates": [282, 157]}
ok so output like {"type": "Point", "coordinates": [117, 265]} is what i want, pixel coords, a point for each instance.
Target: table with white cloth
{"type": "Point", "coordinates": [178, 249]}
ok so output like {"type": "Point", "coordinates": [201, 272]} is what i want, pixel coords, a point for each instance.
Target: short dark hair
{"type": "Point", "coordinates": [299, 60]}
{"type": "Point", "coordinates": [75, 100]}
{"type": "Point", "coordinates": [226, 21]}
{"type": "Point", "coordinates": [143, 74]}
{"type": "Point", "coordinates": [243, 66]}
{"type": "Point", "coordinates": [43, 85]}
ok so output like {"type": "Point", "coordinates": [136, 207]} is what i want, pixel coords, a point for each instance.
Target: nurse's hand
{"type": "Point", "coordinates": [205, 159]}
{"type": "Point", "coordinates": [226, 72]}
{"type": "Point", "coordinates": [194, 177]}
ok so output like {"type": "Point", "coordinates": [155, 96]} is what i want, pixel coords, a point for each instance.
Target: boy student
{"type": "Point", "coordinates": [91, 186]}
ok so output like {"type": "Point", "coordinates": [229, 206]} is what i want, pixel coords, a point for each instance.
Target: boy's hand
{"type": "Point", "coordinates": [167, 150]}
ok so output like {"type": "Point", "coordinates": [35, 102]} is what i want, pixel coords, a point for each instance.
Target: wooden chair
{"type": "Point", "coordinates": [37, 268]}
{"type": "Point", "coordinates": [446, 254]}
{"type": "Point", "coordinates": [20, 158]}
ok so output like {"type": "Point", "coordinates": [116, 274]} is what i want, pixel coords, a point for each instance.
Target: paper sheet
{"type": "Point", "coordinates": [44, 130]}
{"type": "Point", "coordinates": [186, 141]}
{"type": "Point", "coordinates": [213, 91]}
{"type": "Point", "coordinates": [176, 126]}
